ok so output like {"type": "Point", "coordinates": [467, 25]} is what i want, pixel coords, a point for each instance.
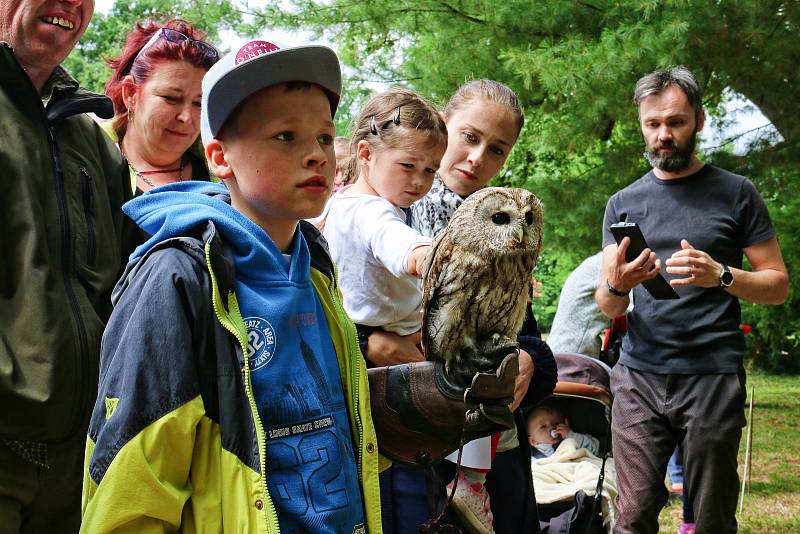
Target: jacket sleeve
{"type": "Point", "coordinates": [545, 373]}
{"type": "Point", "coordinates": [148, 410]}
{"type": "Point", "coordinates": [117, 180]}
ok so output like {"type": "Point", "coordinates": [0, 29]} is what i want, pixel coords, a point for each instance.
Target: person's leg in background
{"type": "Point", "coordinates": [675, 474]}
{"type": "Point", "coordinates": [510, 484]}
{"type": "Point", "coordinates": [713, 412]}
{"type": "Point", "coordinates": [642, 442]}
{"type": "Point", "coordinates": [404, 503]}
{"type": "Point", "coordinates": [678, 489]}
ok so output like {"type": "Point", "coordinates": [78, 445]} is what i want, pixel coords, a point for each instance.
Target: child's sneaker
{"type": "Point", "coordinates": [471, 503]}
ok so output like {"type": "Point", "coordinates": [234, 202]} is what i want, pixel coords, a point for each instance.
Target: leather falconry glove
{"type": "Point", "coordinates": [421, 412]}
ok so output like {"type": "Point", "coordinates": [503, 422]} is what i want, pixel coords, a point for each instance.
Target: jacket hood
{"type": "Point", "coordinates": [175, 210]}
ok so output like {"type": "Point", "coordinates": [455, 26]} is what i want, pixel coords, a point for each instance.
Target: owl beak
{"type": "Point", "coordinates": [520, 234]}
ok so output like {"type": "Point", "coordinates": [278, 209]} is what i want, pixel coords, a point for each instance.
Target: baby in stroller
{"type": "Point", "coordinates": [573, 426]}
{"type": "Point", "coordinates": [547, 428]}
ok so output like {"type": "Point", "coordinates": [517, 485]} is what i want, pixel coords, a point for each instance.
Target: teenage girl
{"type": "Point", "coordinates": [483, 120]}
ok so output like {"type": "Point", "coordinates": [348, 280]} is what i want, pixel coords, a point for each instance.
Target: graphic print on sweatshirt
{"type": "Point", "coordinates": [311, 471]}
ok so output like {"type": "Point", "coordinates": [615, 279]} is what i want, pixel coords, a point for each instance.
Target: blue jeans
{"type": "Point", "coordinates": [404, 505]}
{"type": "Point", "coordinates": [675, 467]}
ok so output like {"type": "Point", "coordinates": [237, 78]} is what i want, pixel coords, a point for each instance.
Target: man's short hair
{"type": "Point", "coordinates": [661, 79]}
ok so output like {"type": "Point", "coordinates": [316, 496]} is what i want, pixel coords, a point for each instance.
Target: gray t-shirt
{"type": "Point", "coordinates": [579, 322]}
{"type": "Point", "coordinates": [718, 212]}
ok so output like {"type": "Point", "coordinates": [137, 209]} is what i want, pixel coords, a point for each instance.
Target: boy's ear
{"type": "Point", "coordinates": [363, 152]}
{"type": "Point", "coordinates": [218, 164]}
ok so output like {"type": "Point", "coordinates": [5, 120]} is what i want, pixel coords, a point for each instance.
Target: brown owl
{"type": "Point", "coordinates": [477, 276]}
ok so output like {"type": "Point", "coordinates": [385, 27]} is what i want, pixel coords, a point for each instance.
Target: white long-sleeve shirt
{"type": "Point", "coordinates": [370, 243]}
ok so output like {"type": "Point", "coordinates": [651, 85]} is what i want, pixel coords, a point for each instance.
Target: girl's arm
{"type": "Point", "coordinates": [415, 260]}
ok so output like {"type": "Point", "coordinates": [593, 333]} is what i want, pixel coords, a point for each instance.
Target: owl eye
{"type": "Point", "coordinates": [501, 218]}
{"type": "Point", "coordinates": [529, 218]}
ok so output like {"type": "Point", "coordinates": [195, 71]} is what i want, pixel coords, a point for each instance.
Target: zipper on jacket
{"type": "Point", "coordinates": [352, 341]}
{"type": "Point", "coordinates": [225, 321]}
{"type": "Point", "coordinates": [63, 217]}
{"type": "Point", "coordinates": [88, 210]}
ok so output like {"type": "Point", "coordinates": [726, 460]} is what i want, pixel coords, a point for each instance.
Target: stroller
{"type": "Point", "coordinates": [583, 395]}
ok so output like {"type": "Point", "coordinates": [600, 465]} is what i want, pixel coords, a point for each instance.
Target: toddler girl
{"type": "Point", "coordinates": [398, 142]}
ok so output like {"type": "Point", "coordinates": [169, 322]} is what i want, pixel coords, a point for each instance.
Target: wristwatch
{"type": "Point", "coordinates": [725, 277]}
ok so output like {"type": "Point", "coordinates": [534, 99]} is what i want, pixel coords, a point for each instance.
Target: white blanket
{"type": "Point", "coordinates": [559, 477]}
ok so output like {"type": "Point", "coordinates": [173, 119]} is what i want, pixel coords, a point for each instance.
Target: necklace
{"type": "Point", "coordinates": [142, 174]}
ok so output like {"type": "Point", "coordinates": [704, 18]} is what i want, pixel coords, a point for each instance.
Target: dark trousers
{"type": "Point", "coordinates": [651, 414]}
{"type": "Point", "coordinates": [404, 499]}
{"type": "Point", "coordinates": [36, 499]}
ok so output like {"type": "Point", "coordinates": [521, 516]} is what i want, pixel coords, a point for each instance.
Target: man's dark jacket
{"type": "Point", "coordinates": [62, 183]}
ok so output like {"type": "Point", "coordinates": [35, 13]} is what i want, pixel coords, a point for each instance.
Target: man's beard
{"type": "Point", "coordinates": [677, 160]}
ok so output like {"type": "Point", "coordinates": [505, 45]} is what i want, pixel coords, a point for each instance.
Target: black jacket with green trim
{"type": "Point", "coordinates": [175, 441]}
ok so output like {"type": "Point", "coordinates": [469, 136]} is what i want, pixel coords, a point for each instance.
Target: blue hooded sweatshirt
{"type": "Point", "coordinates": [311, 470]}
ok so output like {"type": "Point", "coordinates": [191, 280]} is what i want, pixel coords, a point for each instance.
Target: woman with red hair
{"type": "Point", "coordinates": [156, 90]}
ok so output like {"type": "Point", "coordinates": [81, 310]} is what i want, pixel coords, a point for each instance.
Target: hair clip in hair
{"type": "Point", "coordinates": [372, 126]}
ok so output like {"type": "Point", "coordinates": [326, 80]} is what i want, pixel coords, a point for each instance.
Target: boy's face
{"type": "Point", "coordinates": [281, 159]}
{"type": "Point", "coordinates": [541, 423]}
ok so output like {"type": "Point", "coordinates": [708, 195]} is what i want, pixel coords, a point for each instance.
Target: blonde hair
{"type": "Point", "coordinates": [491, 91]}
{"type": "Point", "coordinates": [383, 120]}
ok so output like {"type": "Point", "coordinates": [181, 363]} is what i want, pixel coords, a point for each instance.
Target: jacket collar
{"type": "Point", "coordinates": [65, 97]}
{"type": "Point", "coordinates": [220, 258]}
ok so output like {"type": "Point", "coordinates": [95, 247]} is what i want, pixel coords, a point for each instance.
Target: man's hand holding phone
{"type": "Point", "coordinates": [624, 276]}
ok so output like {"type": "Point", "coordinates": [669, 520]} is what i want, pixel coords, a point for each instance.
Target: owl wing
{"type": "Point", "coordinates": [433, 271]}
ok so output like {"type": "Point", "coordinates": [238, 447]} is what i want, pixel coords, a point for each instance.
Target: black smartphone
{"type": "Point", "coordinates": [658, 287]}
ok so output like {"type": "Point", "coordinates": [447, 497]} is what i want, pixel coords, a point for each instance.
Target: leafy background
{"type": "Point", "coordinates": [574, 64]}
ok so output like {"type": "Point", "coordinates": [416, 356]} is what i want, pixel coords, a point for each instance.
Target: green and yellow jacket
{"type": "Point", "coordinates": [175, 441]}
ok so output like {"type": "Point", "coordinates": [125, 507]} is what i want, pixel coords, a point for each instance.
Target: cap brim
{"type": "Point", "coordinates": [314, 64]}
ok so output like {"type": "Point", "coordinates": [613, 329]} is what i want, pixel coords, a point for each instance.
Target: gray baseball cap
{"type": "Point", "coordinates": [259, 64]}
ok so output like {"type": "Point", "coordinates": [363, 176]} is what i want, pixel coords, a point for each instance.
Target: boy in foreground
{"type": "Point", "coordinates": [232, 393]}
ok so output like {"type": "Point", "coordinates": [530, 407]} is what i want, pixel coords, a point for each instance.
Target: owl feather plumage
{"type": "Point", "coordinates": [477, 274]}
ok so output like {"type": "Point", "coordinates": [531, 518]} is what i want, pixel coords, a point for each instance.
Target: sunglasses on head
{"type": "Point", "coordinates": [176, 37]}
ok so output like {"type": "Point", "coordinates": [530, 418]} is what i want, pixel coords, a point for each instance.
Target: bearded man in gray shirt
{"type": "Point", "coordinates": [680, 378]}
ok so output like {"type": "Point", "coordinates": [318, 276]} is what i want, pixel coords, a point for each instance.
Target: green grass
{"type": "Point", "coordinates": [772, 499]}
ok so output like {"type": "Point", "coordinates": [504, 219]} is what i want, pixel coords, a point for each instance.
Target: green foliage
{"type": "Point", "coordinates": [106, 34]}
{"type": "Point", "coordinates": [774, 342]}
{"type": "Point", "coordinates": [574, 65]}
